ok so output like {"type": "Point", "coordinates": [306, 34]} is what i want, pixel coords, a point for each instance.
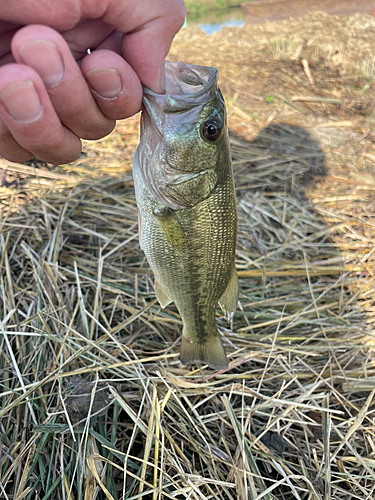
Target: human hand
{"type": "Point", "coordinates": [48, 101]}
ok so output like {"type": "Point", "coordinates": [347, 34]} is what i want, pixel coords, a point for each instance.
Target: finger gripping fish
{"type": "Point", "coordinates": [187, 209]}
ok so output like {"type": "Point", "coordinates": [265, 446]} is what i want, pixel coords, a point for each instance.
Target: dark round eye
{"type": "Point", "coordinates": [211, 130]}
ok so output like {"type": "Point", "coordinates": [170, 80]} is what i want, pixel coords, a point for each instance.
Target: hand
{"type": "Point", "coordinates": [48, 102]}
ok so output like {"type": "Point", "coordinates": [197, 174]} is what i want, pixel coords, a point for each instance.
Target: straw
{"type": "Point", "coordinates": [293, 416]}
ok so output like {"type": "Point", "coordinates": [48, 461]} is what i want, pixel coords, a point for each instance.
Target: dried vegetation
{"type": "Point", "coordinates": [94, 402]}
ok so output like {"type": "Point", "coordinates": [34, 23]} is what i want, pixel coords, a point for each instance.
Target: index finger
{"type": "Point", "coordinates": [149, 28]}
{"type": "Point", "coordinates": [146, 47]}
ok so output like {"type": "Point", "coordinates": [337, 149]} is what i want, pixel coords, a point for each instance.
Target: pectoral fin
{"type": "Point", "coordinates": [228, 301]}
{"type": "Point", "coordinates": [172, 229]}
{"type": "Point", "coordinates": [162, 297]}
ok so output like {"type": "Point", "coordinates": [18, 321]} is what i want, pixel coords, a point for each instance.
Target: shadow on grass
{"type": "Point", "coordinates": [301, 280]}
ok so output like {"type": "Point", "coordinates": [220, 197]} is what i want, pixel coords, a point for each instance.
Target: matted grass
{"type": "Point", "coordinates": [94, 402]}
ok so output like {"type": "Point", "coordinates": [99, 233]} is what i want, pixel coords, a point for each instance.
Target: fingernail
{"type": "Point", "coordinates": [43, 56]}
{"type": "Point", "coordinates": [106, 82]}
{"type": "Point", "coordinates": [22, 102]}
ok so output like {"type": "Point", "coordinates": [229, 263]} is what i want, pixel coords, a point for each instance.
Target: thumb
{"type": "Point", "coordinates": [149, 27]}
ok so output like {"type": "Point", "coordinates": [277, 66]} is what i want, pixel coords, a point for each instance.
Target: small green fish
{"type": "Point", "coordinates": [187, 208]}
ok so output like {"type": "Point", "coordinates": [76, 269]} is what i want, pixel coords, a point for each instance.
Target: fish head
{"type": "Point", "coordinates": [184, 148]}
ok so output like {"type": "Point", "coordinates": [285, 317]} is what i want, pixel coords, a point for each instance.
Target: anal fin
{"type": "Point", "coordinates": [162, 297]}
{"type": "Point", "coordinates": [209, 353]}
{"type": "Point", "coordinates": [228, 301]}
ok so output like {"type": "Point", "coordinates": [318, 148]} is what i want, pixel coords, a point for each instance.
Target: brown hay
{"type": "Point", "coordinates": [293, 415]}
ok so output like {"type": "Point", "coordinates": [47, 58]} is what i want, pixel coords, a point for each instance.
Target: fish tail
{"type": "Point", "coordinates": [211, 352]}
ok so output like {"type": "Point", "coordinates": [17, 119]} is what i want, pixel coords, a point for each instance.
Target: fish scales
{"type": "Point", "coordinates": [187, 209]}
{"type": "Point", "coordinates": [194, 271]}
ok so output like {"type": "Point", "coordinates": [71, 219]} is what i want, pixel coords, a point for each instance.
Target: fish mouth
{"type": "Point", "coordinates": [187, 86]}
{"type": "Point", "coordinates": [185, 79]}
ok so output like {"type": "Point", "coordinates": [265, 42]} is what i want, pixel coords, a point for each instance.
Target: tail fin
{"type": "Point", "coordinates": [209, 353]}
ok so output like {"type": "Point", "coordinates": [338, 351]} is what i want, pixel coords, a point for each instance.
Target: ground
{"type": "Point", "coordinates": [198, 6]}
{"type": "Point", "coordinates": [81, 332]}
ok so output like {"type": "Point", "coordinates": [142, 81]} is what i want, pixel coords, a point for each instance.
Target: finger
{"type": "Point", "coordinates": [150, 28]}
{"type": "Point", "coordinates": [9, 147]}
{"type": "Point", "coordinates": [62, 16]}
{"type": "Point", "coordinates": [30, 118]}
{"type": "Point", "coordinates": [113, 42]}
{"type": "Point", "coordinates": [45, 50]}
{"type": "Point", "coordinates": [116, 88]}
{"type": "Point", "coordinates": [7, 31]}
{"type": "Point", "coordinates": [88, 34]}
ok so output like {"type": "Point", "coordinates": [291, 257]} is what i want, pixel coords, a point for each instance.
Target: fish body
{"type": "Point", "coordinates": [187, 209]}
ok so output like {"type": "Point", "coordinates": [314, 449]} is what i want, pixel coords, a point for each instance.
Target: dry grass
{"type": "Point", "coordinates": [94, 402]}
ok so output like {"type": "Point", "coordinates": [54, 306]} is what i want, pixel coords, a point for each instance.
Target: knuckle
{"type": "Point", "coordinates": [16, 155]}
{"type": "Point", "coordinates": [5, 135]}
{"type": "Point", "coordinates": [10, 149]}
{"type": "Point", "coordinates": [58, 156]}
{"type": "Point", "coordinates": [51, 141]}
{"type": "Point", "coordinates": [99, 131]}
{"type": "Point", "coordinates": [177, 14]}
{"type": "Point", "coordinates": [50, 147]}
{"type": "Point", "coordinates": [121, 108]}
{"type": "Point", "coordinates": [66, 157]}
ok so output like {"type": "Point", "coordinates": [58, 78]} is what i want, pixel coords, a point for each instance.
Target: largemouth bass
{"type": "Point", "coordinates": [187, 209]}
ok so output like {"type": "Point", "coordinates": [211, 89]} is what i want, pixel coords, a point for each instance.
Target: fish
{"type": "Point", "coordinates": [184, 188]}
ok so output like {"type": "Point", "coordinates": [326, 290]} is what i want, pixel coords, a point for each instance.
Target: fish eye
{"type": "Point", "coordinates": [211, 129]}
